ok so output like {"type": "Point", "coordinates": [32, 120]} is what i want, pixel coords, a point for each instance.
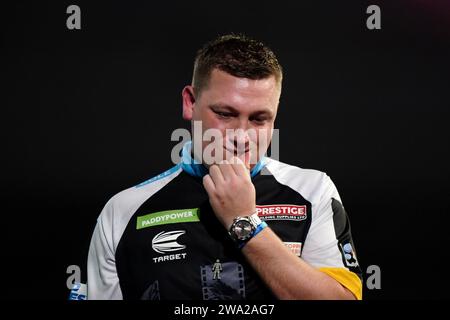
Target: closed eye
{"type": "Point", "coordinates": [258, 120]}
{"type": "Point", "coordinates": [224, 115]}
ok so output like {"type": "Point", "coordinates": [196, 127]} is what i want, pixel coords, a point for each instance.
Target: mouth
{"type": "Point", "coordinates": [244, 156]}
{"type": "Point", "coordinates": [236, 152]}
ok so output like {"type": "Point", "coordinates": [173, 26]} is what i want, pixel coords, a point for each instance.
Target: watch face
{"type": "Point", "coordinates": [243, 229]}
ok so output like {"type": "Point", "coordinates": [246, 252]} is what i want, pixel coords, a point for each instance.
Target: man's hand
{"type": "Point", "coordinates": [230, 190]}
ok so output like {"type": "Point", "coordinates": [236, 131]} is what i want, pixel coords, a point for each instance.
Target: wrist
{"type": "Point", "coordinates": [245, 228]}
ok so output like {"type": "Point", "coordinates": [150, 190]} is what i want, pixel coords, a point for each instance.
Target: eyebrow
{"type": "Point", "coordinates": [225, 107]}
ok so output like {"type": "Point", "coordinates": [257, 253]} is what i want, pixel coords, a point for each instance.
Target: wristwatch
{"type": "Point", "coordinates": [244, 228]}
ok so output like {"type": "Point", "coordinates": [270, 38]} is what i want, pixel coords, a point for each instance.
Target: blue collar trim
{"type": "Point", "coordinates": [196, 169]}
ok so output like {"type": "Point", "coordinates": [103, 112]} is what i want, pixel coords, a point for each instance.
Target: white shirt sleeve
{"type": "Point", "coordinates": [103, 281]}
{"type": "Point", "coordinates": [330, 233]}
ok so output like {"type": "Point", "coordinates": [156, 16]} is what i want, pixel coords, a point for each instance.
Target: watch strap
{"type": "Point", "coordinates": [260, 225]}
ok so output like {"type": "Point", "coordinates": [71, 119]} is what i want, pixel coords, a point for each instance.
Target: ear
{"type": "Point", "coordinates": [188, 102]}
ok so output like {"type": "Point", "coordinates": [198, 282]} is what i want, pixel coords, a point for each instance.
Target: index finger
{"type": "Point", "coordinates": [239, 167]}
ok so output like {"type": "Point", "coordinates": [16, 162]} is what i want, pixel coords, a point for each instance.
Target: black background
{"type": "Point", "coordinates": [86, 113]}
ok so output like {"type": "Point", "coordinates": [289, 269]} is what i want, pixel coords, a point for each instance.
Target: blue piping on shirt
{"type": "Point", "coordinates": [196, 169]}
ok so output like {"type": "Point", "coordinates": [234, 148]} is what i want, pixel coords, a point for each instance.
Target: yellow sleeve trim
{"type": "Point", "coordinates": [347, 278]}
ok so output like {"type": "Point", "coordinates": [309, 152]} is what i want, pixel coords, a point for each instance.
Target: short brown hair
{"type": "Point", "coordinates": [237, 55]}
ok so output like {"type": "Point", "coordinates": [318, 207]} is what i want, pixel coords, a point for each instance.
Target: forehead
{"type": "Point", "coordinates": [224, 88]}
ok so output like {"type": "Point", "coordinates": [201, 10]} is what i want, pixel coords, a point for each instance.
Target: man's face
{"type": "Point", "coordinates": [242, 110]}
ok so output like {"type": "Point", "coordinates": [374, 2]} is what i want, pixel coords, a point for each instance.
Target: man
{"type": "Point", "coordinates": [279, 231]}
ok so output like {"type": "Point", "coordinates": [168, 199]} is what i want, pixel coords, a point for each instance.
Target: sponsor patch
{"type": "Point", "coordinates": [167, 217]}
{"type": "Point", "coordinates": [230, 285]}
{"type": "Point", "coordinates": [295, 247]}
{"type": "Point", "coordinates": [282, 212]}
{"type": "Point", "coordinates": [166, 242]}
{"type": "Point", "coordinates": [78, 292]}
{"type": "Point", "coordinates": [349, 255]}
